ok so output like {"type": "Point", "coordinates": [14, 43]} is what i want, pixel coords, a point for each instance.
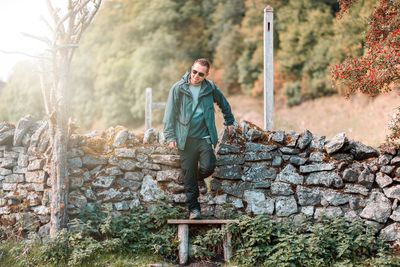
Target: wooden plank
{"type": "Point", "coordinates": [183, 237]}
{"type": "Point", "coordinates": [201, 221]}
{"type": "Point", "coordinates": [227, 246]}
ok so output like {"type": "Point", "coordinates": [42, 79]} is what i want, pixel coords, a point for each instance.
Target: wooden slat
{"type": "Point", "coordinates": [201, 221]}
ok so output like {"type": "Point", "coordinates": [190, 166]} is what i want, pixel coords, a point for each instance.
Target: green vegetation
{"type": "Point", "coordinates": [100, 238]}
{"type": "Point", "coordinates": [133, 45]}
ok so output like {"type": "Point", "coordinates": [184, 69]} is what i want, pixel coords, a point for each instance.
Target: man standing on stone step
{"type": "Point", "coordinates": [189, 125]}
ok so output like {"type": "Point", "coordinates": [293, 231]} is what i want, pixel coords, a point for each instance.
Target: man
{"type": "Point", "coordinates": [189, 125]}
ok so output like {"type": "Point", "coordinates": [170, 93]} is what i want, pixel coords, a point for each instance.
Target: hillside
{"type": "Point", "coordinates": [362, 118]}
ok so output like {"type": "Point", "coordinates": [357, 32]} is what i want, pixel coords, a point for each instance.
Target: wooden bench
{"type": "Point", "coordinates": [183, 236]}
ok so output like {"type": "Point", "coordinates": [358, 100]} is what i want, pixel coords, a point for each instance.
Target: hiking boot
{"type": "Point", "coordinates": [195, 215]}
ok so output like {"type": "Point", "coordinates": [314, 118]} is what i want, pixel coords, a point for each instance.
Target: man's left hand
{"type": "Point", "coordinates": [230, 130]}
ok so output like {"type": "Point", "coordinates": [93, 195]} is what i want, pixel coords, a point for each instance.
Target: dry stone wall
{"type": "Point", "coordinates": [285, 175]}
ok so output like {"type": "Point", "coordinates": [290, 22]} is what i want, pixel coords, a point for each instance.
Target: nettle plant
{"type": "Point", "coordinates": [378, 70]}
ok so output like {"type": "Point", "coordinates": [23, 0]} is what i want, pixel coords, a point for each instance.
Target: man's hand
{"type": "Point", "coordinates": [230, 130]}
{"type": "Point", "coordinates": [172, 144]}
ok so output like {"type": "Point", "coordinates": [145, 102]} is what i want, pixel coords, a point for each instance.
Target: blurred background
{"type": "Point", "coordinates": [132, 45]}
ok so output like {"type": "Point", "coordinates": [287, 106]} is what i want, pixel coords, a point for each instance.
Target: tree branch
{"type": "Point", "coordinates": [43, 39]}
{"type": "Point", "coordinates": [24, 54]}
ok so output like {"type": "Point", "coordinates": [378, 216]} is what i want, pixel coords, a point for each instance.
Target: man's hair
{"type": "Point", "coordinates": [204, 62]}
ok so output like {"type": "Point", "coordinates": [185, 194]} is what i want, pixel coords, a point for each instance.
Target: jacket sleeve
{"type": "Point", "coordinates": [170, 115]}
{"type": "Point", "coordinates": [223, 104]}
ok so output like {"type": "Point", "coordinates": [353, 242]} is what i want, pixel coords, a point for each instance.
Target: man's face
{"type": "Point", "coordinates": [198, 74]}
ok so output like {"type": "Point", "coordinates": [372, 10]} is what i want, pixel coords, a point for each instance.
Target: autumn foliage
{"type": "Point", "coordinates": [378, 69]}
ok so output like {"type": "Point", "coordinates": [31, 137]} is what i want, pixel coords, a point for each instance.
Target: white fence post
{"type": "Point", "coordinates": [268, 68]}
{"type": "Point", "coordinates": [150, 105]}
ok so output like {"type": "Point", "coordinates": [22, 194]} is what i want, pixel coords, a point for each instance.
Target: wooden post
{"type": "Point", "coordinates": [268, 68]}
{"type": "Point", "coordinates": [149, 104]}
{"type": "Point", "coordinates": [227, 246]}
{"type": "Point", "coordinates": [183, 237]}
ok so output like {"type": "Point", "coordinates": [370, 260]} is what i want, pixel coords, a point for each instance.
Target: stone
{"type": "Point", "coordinates": [44, 230]}
{"type": "Point", "coordinates": [126, 164]}
{"type": "Point", "coordinates": [75, 182]}
{"type": "Point", "coordinates": [395, 161]}
{"type": "Point", "coordinates": [93, 161]}
{"type": "Point", "coordinates": [142, 157]}
{"type": "Point", "coordinates": [307, 210]}
{"type": "Point", "coordinates": [75, 163]}
{"type": "Point", "coordinates": [231, 172]}
{"type": "Point", "coordinates": [76, 199]}
{"type": "Point", "coordinates": [318, 143]}
{"type": "Point", "coordinates": [291, 138]}
{"type": "Point", "coordinates": [237, 203]}
{"type": "Point", "coordinates": [125, 152]}
{"type": "Point", "coordinates": [14, 178]}
{"type": "Point", "coordinates": [342, 157]}
{"type": "Point", "coordinates": [150, 166]}
{"type": "Point", "coordinates": [336, 143]}
{"type": "Point", "coordinates": [5, 210]}
{"type": "Point", "coordinates": [317, 156]}
{"type": "Point", "coordinates": [89, 194]}
{"type": "Point", "coordinates": [350, 175]}
{"type": "Point", "coordinates": [277, 161]}
{"type": "Point", "coordinates": [35, 177]}
{"type": "Point", "coordinates": [296, 160]}
{"type": "Point", "coordinates": [278, 136]}
{"type": "Point", "coordinates": [366, 178]}
{"type": "Point", "coordinates": [8, 163]}
{"type": "Point", "coordinates": [169, 175]}
{"type": "Point", "coordinates": [378, 208]}
{"type": "Point", "coordinates": [289, 175]}
{"type": "Point", "coordinates": [283, 189]}
{"type": "Point", "coordinates": [387, 169]}
{"type": "Point", "coordinates": [391, 232]}
{"type": "Point", "coordinates": [308, 196]}
{"type": "Point", "coordinates": [392, 192]}
{"type": "Point", "coordinates": [317, 167]}
{"type": "Point", "coordinates": [131, 185]}
{"type": "Point", "coordinates": [179, 198]}
{"type": "Point", "coordinates": [103, 181]}
{"type": "Point", "coordinates": [230, 159]}
{"type": "Point", "coordinates": [36, 164]}
{"type": "Point", "coordinates": [254, 134]}
{"type": "Point", "coordinates": [19, 170]}
{"type": "Point", "coordinates": [257, 203]}
{"type": "Point", "coordinates": [113, 171]}
{"type": "Point", "coordinates": [169, 160]}
{"type": "Point", "coordinates": [150, 191]}
{"type": "Point", "coordinates": [6, 134]}
{"type": "Point", "coordinates": [234, 189]}
{"type": "Point", "coordinates": [22, 128]}
{"type": "Point", "coordinates": [304, 140]}
{"type": "Point", "coordinates": [41, 210]}
{"type": "Point", "coordinates": [22, 160]}
{"type": "Point", "coordinates": [110, 195]}
{"type": "Point", "coordinates": [225, 149]}
{"type": "Point", "coordinates": [10, 154]}
{"type": "Point", "coordinates": [335, 198]}
{"type": "Point", "coordinates": [37, 187]}
{"type": "Point", "coordinates": [177, 188]}
{"type": "Point", "coordinates": [258, 172]}
{"type": "Point", "coordinates": [150, 136]}
{"type": "Point", "coordinates": [33, 199]}
{"type": "Point", "coordinates": [325, 178]}
{"type": "Point", "coordinates": [220, 199]}
{"type": "Point", "coordinates": [361, 151]}
{"type": "Point", "coordinates": [146, 150]}
{"type": "Point", "coordinates": [262, 185]}
{"type": "Point", "coordinates": [397, 172]}
{"type": "Point", "coordinates": [395, 214]}
{"type": "Point", "coordinates": [384, 159]}
{"type": "Point", "coordinates": [289, 150]}
{"type": "Point", "coordinates": [285, 206]}
{"type": "Point", "coordinates": [255, 147]}
{"type": "Point", "coordinates": [134, 176]}
{"type": "Point", "coordinates": [257, 156]}
{"type": "Point", "coordinates": [124, 205]}
{"type": "Point", "coordinates": [120, 138]}
{"type": "Point", "coordinates": [356, 189]}
{"type": "Point", "coordinates": [5, 172]}
{"type": "Point", "coordinates": [383, 180]}
{"type": "Point", "coordinates": [329, 212]}
{"type": "Point", "coordinates": [9, 186]}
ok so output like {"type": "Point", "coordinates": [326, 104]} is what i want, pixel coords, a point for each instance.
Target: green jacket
{"type": "Point", "coordinates": [178, 111]}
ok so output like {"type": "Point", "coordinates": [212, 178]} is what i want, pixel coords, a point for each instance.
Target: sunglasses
{"type": "Point", "coordinates": [199, 73]}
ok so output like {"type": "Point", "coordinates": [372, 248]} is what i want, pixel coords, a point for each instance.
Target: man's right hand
{"type": "Point", "coordinates": [172, 144]}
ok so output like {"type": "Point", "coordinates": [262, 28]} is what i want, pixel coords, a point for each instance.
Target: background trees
{"type": "Point", "coordinates": [151, 43]}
